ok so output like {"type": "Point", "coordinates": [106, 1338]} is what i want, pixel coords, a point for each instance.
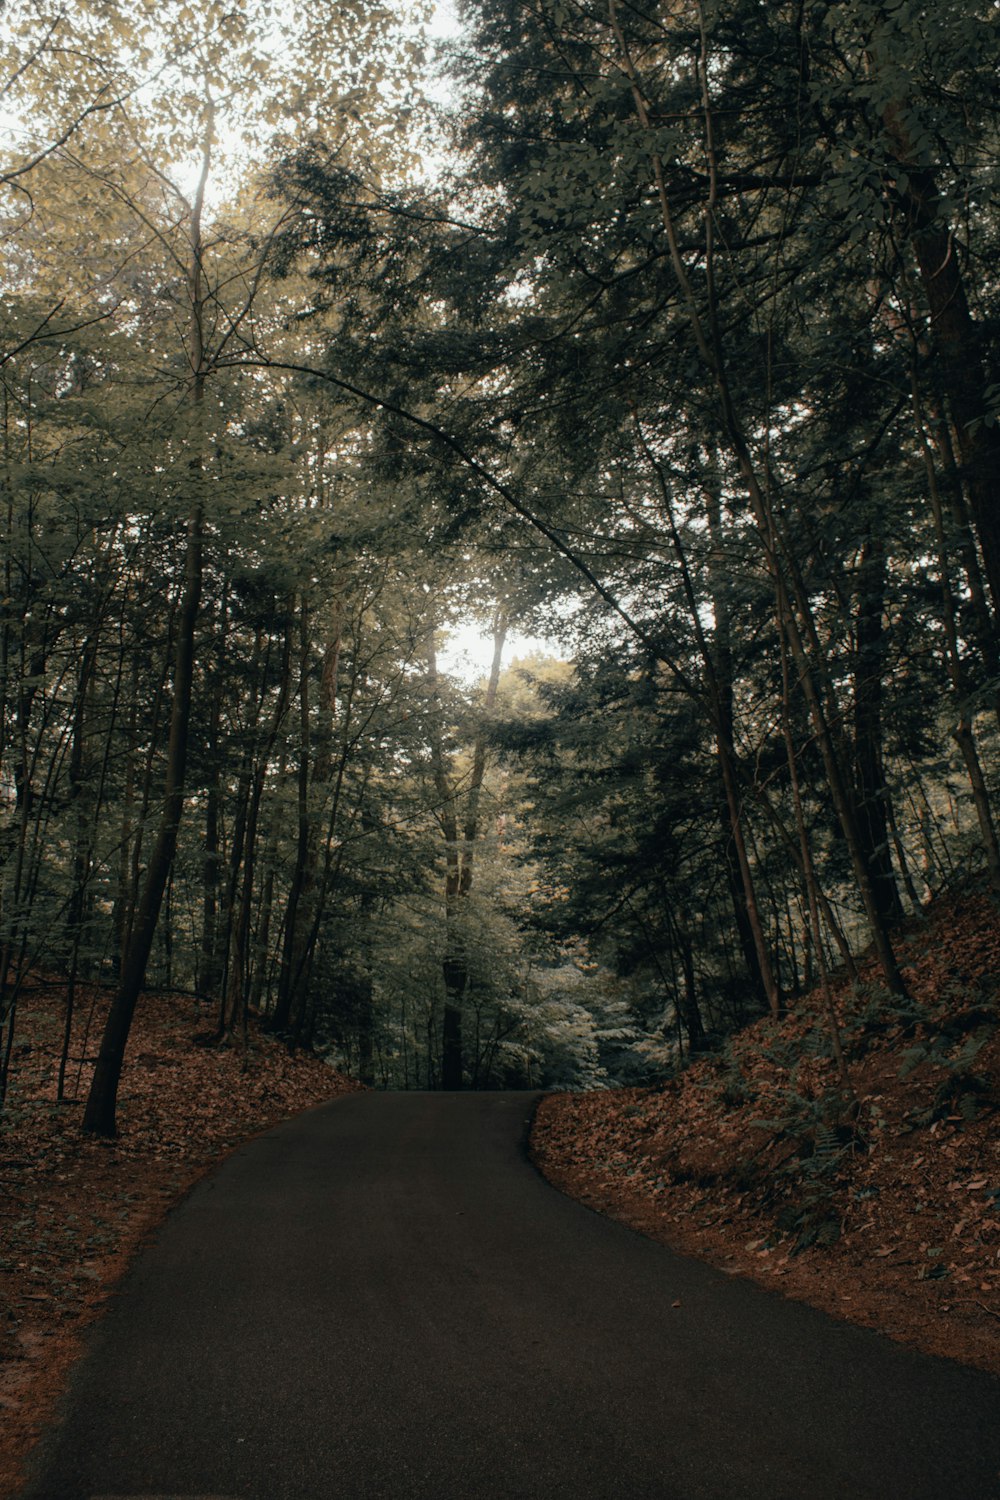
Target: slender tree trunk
{"type": "Point", "coordinates": [690, 1009]}
{"type": "Point", "coordinates": [82, 852]}
{"type": "Point", "coordinates": [717, 659]}
{"type": "Point", "coordinates": [18, 895]}
{"type": "Point", "coordinates": [210, 965]}
{"type": "Point", "coordinates": [283, 1006]}
{"type": "Point", "coordinates": [719, 662]}
{"type": "Point", "coordinates": [869, 670]}
{"type": "Point", "coordinates": [961, 537]}
{"type": "Point", "coordinates": [459, 859]}
{"type": "Point", "coordinates": [304, 914]}
{"type": "Point", "coordinates": [809, 878]}
{"type": "Point", "coordinates": [245, 849]}
{"type": "Point", "coordinates": [260, 995]}
{"type": "Point", "coordinates": [100, 1113]}
{"type": "Point", "coordinates": [137, 834]}
{"type": "Point", "coordinates": [366, 1027]}
{"type": "Point", "coordinates": [962, 729]}
{"type": "Point", "coordinates": [121, 917]}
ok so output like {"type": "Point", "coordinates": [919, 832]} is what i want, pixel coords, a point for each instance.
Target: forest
{"type": "Point", "coordinates": [654, 346]}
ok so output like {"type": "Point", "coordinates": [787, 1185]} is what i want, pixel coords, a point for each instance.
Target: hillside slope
{"type": "Point", "coordinates": [73, 1211]}
{"type": "Point", "coordinates": [886, 1213]}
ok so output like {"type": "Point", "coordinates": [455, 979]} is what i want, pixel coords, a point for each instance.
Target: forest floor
{"type": "Point", "coordinates": [74, 1210]}
{"type": "Point", "coordinates": [885, 1214]}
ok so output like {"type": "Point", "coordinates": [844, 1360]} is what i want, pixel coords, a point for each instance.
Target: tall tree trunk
{"type": "Point", "coordinates": [212, 941]}
{"type": "Point", "coordinates": [812, 889]}
{"type": "Point", "coordinates": [869, 670]}
{"type": "Point", "coordinates": [281, 1015]}
{"type": "Point", "coordinates": [366, 1025]}
{"type": "Point", "coordinates": [957, 343]}
{"type": "Point", "coordinates": [717, 659]}
{"type": "Point", "coordinates": [234, 1011]}
{"type": "Point", "coordinates": [719, 664]}
{"type": "Point", "coordinates": [782, 566]}
{"type": "Point", "coordinates": [100, 1113]}
{"type": "Point", "coordinates": [304, 915]}
{"type": "Point", "coordinates": [454, 969]}
{"type": "Point", "coordinates": [459, 858]}
{"type": "Point", "coordinates": [962, 729]}
{"type": "Point", "coordinates": [82, 850]}
{"type": "Point", "coordinates": [260, 987]}
{"type": "Point", "coordinates": [123, 912]}
{"type": "Point", "coordinates": [689, 1007]}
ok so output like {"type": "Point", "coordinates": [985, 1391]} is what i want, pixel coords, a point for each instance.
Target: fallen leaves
{"type": "Point", "coordinates": [724, 1157]}
{"type": "Point", "coordinates": [74, 1210]}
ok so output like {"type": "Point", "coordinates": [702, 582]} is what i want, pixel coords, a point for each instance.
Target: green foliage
{"type": "Point", "coordinates": [822, 1132]}
{"type": "Point", "coordinates": [874, 1013]}
{"type": "Point", "coordinates": [734, 1087]}
{"type": "Point", "coordinates": [542, 429]}
{"type": "Point", "coordinates": [962, 1091]}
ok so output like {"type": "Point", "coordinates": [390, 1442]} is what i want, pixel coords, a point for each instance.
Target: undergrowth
{"type": "Point", "coordinates": [812, 1125]}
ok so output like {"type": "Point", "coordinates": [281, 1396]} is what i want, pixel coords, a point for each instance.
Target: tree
{"type": "Point", "coordinates": [687, 362]}
{"type": "Point", "coordinates": [459, 817]}
{"type": "Point", "coordinates": [636, 111]}
{"type": "Point", "coordinates": [130, 162]}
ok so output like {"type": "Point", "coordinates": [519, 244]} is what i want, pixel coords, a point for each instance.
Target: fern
{"type": "Point", "coordinates": [828, 1143]}
{"type": "Point", "coordinates": [961, 1089]}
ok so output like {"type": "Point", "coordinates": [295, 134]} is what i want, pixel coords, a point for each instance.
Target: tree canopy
{"type": "Point", "coordinates": [667, 335]}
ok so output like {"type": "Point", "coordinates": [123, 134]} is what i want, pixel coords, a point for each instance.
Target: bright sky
{"type": "Point", "coordinates": [468, 651]}
{"type": "Point", "coordinates": [444, 22]}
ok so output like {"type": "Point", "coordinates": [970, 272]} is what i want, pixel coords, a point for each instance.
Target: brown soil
{"type": "Point", "coordinates": [887, 1215]}
{"type": "Point", "coordinates": [73, 1211]}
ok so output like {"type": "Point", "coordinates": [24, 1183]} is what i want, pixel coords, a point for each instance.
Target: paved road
{"type": "Point", "coordinates": [383, 1299]}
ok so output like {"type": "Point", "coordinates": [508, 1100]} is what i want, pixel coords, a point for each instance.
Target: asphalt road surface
{"type": "Point", "coordinates": [383, 1298]}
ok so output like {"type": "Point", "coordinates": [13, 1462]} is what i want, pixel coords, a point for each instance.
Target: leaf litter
{"type": "Point", "coordinates": [883, 1210]}
{"type": "Point", "coordinates": [74, 1210]}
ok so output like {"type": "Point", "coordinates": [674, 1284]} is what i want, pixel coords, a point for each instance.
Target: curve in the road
{"type": "Point", "coordinates": [384, 1299]}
